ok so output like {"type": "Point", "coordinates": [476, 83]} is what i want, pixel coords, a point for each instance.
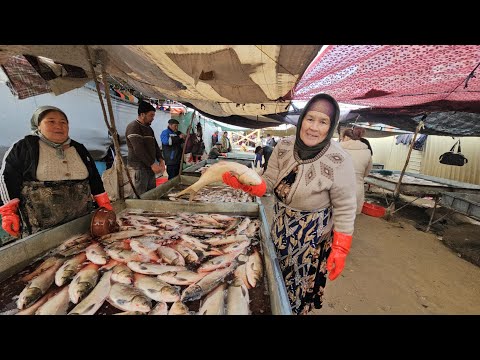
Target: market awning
{"type": "Point", "coordinates": [234, 84]}
{"type": "Point", "coordinates": [414, 78]}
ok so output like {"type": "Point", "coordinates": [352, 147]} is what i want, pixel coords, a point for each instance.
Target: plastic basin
{"type": "Point", "coordinates": [373, 210]}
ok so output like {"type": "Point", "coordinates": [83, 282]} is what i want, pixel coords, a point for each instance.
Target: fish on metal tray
{"type": "Point", "coordinates": [254, 268]}
{"type": "Point", "coordinates": [68, 270]}
{"type": "Point", "coordinates": [156, 289]}
{"type": "Point", "coordinates": [122, 274]}
{"type": "Point", "coordinates": [128, 298]}
{"type": "Point", "coordinates": [83, 283]}
{"type": "Point", "coordinates": [214, 302]}
{"type": "Point", "coordinates": [214, 173]}
{"type": "Point", "coordinates": [185, 277]}
{"type": "Point", "coordinates": [57, 304]}
{"type": "Point", "coordinates": [38, 286]}
{"type": "Point", "coordinates": [161, 308]}
{"type": "Point", "coordinates": [95, 299]}
{"type": "Point", "coordinates": [238, 299]}
{"type": "Point", "coordinates": [96, 254]}
{"type": "Point", "coordinates": [152, 269]}
{"type": "Point", "coordinates": [179, 308]}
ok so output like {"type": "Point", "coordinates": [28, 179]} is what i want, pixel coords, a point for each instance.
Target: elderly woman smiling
{"type": "Point", "coordinates": [313, 180]}
{"type": "Point", "coordinates": [47, 177]}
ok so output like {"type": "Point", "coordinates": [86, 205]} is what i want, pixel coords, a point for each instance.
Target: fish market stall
{"type": "Point", "coordinates": [466, 204]}
{"type": "Point", "coordinates": [196, 169]}
{"type": "Point", "coordinates": [239, 155]}
{"type": "Point", "coordinates": [213, 193]}
{"type": "Point", "coordinates": [418, 184]}
{"type": "Point", "coordinates": [20, 258]}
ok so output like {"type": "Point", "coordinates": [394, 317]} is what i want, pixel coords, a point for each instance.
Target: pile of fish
{"type": "Point", "coordinates": [156, 264]}
{"type": "Point", "coordinates": [217, 193]}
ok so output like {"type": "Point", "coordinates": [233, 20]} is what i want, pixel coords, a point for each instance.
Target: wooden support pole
{"type": "Point", "coordinates": [396, 193]}
{"type": "Point", "coordinates": [433, 213]}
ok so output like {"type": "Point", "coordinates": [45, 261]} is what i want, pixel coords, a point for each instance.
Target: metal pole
{"type": "Point", "coordinates": [185, 144]}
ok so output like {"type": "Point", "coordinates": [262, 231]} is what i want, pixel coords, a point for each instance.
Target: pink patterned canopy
{"type": "Point", "coordinates": [423, 77]}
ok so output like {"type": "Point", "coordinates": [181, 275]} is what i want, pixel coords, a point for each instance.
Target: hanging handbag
{"type": "Point", "coordinates": [453, 158]}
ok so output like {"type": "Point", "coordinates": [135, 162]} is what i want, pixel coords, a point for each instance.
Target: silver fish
{"type": "Point", "coordinates": [83, 283]}
{"type": "Point", "coordinates": [214, 302]}
{"type": "Point", "coordinates": [160, 309]}
{"type": "Point", "coordinates": [95, 298]}
{"type": "Point", "coordinates": [128, 298]}
{"type": "Point", "coordinates": [68, 270]}
{"type": "Point", "coordinates": [56, 305]}
{"type": "Point", "coordinates": [179, 308]}
{"type": "Point", "coordinates": [38, 286]}
{"type": "Point", "coordinates": [156, 289]}
{"type": "Point", "coordinates": [185, 277]}
{"type": "Point", "coordinates": [153, 269]}
{"type": "Point", "coordinates": [254, 268]}
{"type": "Point", "coordinates": [238, 299]}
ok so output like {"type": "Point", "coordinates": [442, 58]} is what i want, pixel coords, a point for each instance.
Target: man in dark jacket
{"type": "Point", "coordinates": [172, 141]}
{"type": "Point", "coordinates": [143, 149]}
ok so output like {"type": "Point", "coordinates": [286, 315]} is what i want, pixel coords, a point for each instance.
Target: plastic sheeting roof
{"type": "Point", "coordinates": [243, 85]}
{"type": "Point", "coordinates": [416, 78]}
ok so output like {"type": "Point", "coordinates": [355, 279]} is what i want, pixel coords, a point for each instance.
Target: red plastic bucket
{"type": "Point", "coordinates": [373, 210]}
{"type": "Point", "coordinates": [160, 180]}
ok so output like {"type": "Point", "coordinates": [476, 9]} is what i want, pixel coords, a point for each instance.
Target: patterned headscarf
{"type": "Point", "coordinates": [34, 122]}
{"type": "Point", "coordinates": [327, 105]}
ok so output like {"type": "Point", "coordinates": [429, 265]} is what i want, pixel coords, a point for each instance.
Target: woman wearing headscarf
{"type": "Point", "coordinates": [313, 180]}
{"type": "Point", "coordinates": [362, 162]}
{"type": "Point", "coordinates": [47, 178]}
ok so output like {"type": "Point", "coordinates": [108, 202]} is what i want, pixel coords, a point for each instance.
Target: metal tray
{"type": "Point", "coordinates": [466, 204]}
{"type": "Point", "coordinates": [17, 255]}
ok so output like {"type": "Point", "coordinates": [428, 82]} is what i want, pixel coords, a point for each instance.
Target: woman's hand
{"type": "Point", "coordinates": [255, 190]}
{"type": "Point", "coordinates": [340, 248]}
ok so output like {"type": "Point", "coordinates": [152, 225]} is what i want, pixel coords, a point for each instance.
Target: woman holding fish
{"type": "Point", "coordinates": [47, 177]}
{"type": "Point", "coordinates": [313, 180]}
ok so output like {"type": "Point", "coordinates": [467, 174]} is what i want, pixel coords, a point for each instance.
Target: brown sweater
{"type": "Point", "coordinates": [326, 180]}
{"type": "Point", "coordinates": [143, 148]}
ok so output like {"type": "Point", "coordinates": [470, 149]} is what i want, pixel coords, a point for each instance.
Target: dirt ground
{"type": "Point", "coordinates": [395, 268]}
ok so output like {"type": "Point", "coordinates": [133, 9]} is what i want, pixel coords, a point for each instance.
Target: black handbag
{"type": "Point", "coordinates": [453, 158]}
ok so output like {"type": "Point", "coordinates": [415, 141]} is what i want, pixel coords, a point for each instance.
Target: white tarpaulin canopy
{"type": "Point", "coordinates": [226, 82]}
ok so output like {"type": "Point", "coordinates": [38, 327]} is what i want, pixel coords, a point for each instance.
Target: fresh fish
{"type": "Point", "coordinates": [125, 256]}
{"type": "Point", "coordinates": [33, 308]}
{"type": "Point", "coordinates": [170, 256]}
{"type": "Point", "coordinates": [128, 298]}
{"type": "Point", "coordinates": [122, 274]}
{"type": "Point", "coordinates": [146, 247]}
{"type": "Point", "coordinates": [160, 309]}
{"type": "Point", "coordinates": [254, 268]}
{"type": "Point", "coordinates": [95, 299]}
{"type": "Point", "coordinates": [237, 299]}
{"type": "Point", "coordinates": [196, 243]}
{"type": "Point", "coordinates": [219, 261]}
{"type": "Point", "coordinates": [214, 302]}
{"type": "Point", "coordinates": [109, 265]}
{"type": "Point", "coordinates": [156, 289]}
{"type": "Point", "coordinates": [74, 250]}
{"type": "Point", "coordinates": [214, 173]}
{"type": "Point", "coordinates": [46, 264]}
{"type": "Point", "coordinates": [185, 277]}
{"type": "Point", "coordinates": [241, 273]}
{"type": "Point", "coordinates": [153, 269]}
{"type": "Point", "coordinates": [207, 283]}
{"type": "Point", "coordinates": [130, 313]}
{"type": "Point", "coordinates": [110, 238]}
{"type": "Point", "coordinates": [56, 305]}
{"type": "Point", "coordinates": [188, 254]}
{"type": "Point", "coordinates": [237, 246]}
{"type": "Point", "coordinates": [252, 228]}
{"type": "Point", "coordinates": [38, 286]}
{"type": "Point", "coordinates": [73, 241]}
{"type": "Point", "coordinates": [83, 283]}
{"type": "Point", "coordinates": [68, 270]}
{"type": "Point", "coordinates": [243, 225]}
{"type": "Point", "coordinates": [96, 254]}
{"type": "Point", "coordinates": [179, 308]}
{"type": "Point", "coordinates": [218, 240]}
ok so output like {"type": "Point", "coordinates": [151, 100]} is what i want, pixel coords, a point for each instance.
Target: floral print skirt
{"type": "Point", "coordinates": [302, 241]}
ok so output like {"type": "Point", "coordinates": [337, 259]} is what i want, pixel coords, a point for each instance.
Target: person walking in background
{"type": "Point", "coordinates": [143, 149]}
{"type": "Point", "coordinates": [313, 181]}
{"type": "Point", "coordinates": [226, 145]}
{"type": "Point", "coordinates": [172, 141]}
{"type": "Point", "coordinates": [359, 133]}
{"type": "Point", "coordinates": [258, 156]}
{"type": "Point", "coordinates": [362, 162]}
{"type": "Point", "coordinates": [214, 138]}
{"type": "Point", "coordinates": [47, 177]}
{"type": "Point", "coordinates": [267, 152]}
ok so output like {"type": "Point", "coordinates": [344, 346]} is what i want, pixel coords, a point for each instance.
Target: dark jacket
{"type": "Point", "coordinates": [214, 153]}
{"type": "Point", "coordinates": [21, 162]}
{"type": "Point", "coordinates": [143, 148]}
{"type": "Point", "coordinates": [171, 146]}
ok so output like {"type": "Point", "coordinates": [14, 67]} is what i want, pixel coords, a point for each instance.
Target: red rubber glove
{"type": "Point", "coordinates": [10, 218]}
{"type": "Point", "coordinates": [103, 201]}
{"type": "Point", "coordinates": [255, 190]}
{"type": "Point", "coordinates": [340, 248]}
